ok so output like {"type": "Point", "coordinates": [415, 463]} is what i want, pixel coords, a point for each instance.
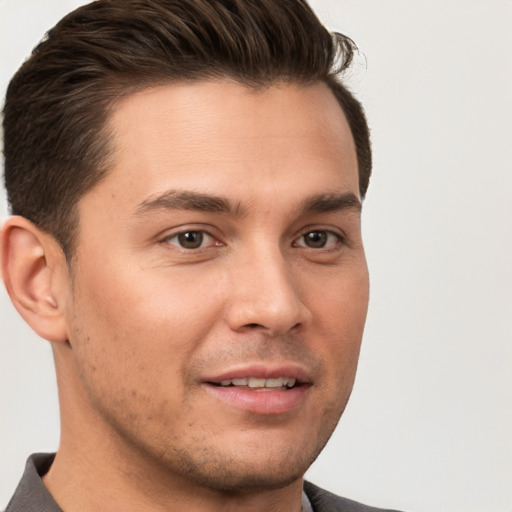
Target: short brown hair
{"type": "Point", "coordinates": [57, 105]}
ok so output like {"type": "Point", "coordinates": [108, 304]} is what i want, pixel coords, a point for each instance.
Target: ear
{"type": "Point", "coordinates": [35, 273]}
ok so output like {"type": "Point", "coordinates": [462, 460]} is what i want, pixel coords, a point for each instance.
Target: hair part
{"type": "Point", "coordinates": [56, 140]}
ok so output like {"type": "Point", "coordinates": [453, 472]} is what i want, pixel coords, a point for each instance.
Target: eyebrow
{"type": "Point", "coordinates": [187, 200]}
{"type": "Point", "coordinates": [325, 203]}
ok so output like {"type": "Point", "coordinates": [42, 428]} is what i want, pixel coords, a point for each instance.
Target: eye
{"type": "Point", "coordinates": [193, 239]}
{"type": "Point", "coordinates": [318, 239]}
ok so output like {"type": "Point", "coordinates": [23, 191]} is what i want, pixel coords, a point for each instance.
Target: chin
{"type": "Point", "coordinates": [243, 473]}
{"type": "Point", "coordinates": [243, 480]}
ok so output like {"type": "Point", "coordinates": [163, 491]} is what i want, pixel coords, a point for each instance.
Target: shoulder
{"type": "Point", "coordinates": [325, 501]}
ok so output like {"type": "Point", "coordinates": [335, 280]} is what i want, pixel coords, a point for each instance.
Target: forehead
{"type": "Point", "coordinates": [220, 136]}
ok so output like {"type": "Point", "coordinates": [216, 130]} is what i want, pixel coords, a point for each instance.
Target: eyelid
{"type": "Point", "coordinates": [338, 234]}
{"type": "Point", "coordinates": [338, 240]}
{"type": "Point", "coordinates": [174, 234]}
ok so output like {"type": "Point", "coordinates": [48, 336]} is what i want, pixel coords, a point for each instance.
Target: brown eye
{"type": "Point", "coordinates": [318, 239]}
{"type": "Point", "coordinates": [315, 239]}
{"type": "Point", "coordinates": [191, 239]}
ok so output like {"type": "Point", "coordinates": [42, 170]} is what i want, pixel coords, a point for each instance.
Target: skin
{"type": "Point", "coordinates": [141, 324]}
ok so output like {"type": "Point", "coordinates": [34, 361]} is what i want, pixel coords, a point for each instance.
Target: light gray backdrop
{"type": "Point", "coordinates": [429, 424]}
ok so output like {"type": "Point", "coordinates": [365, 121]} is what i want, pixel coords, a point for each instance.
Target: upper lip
{"type": "Point", "coordinates": [262, 371]}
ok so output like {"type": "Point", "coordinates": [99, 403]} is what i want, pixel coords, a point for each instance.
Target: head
{"type": "Point", "coordinates": [189, 175]}
{"type": "Point", "coordinates": [56, 140]}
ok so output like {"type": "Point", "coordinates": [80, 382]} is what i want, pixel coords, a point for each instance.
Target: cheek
{"type": "Point", "coordinates": [339, 302]}
{"type": "Point", "coordinates": [138, 332]}
{"type": "Point", "coordinates": [339, 313]}
{"type": "Point", "coordinates": [123, 298]}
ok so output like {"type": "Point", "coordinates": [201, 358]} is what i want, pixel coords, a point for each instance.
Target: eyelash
{"type": "Point", "coordinates": [338, 239]}
{"type": "Point", "coordinates": [326, 232]}
{"type": "Point", "coordinates": [202, 232]}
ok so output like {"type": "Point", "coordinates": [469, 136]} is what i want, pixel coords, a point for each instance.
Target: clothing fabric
{"type": "Point", "coordinates": [32, 496]}
{"type": "Point", "coordinates": [325, 501]}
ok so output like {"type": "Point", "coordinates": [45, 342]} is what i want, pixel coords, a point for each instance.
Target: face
{"type": "Point", "coordinates": [219, 287]}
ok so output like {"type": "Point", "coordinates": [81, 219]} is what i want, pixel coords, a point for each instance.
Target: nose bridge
{"type": "Point", "coordinates": [265, 292]}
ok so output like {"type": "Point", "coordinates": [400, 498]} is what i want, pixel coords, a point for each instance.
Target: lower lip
{"type": "Point", "coordinates": [260, 402]}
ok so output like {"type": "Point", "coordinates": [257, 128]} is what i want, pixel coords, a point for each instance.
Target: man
{"type": "Point", "coordinates": [186, 180]}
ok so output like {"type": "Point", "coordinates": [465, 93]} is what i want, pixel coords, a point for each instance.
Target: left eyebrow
{"type": "Point", "coordinates": [325, 203]}
{"type": "Point", "coordinates": [188, 200]}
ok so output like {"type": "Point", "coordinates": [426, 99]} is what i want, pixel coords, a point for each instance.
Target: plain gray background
{"type": "Point", "coordinates": [429, 424]}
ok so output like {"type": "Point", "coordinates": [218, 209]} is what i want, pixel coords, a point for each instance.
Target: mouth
{"type": "Point", "coordinates": [261, 390]}
{"type": "Point", "coordinates": [259, 384]}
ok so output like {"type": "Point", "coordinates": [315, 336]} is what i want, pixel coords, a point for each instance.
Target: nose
{"type": "Point", "coordinates": [266, 296]}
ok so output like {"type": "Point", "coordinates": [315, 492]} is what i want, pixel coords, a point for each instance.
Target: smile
{"type": "Point", "coordinates": [260, 389]}
{"type": "Point", "coordinates": [256, 383]}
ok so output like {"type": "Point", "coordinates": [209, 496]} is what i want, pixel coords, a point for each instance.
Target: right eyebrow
{"type": "Point", "coordinates": [188, 200]}
{"type": "Point", "coordinates": [331, 202]}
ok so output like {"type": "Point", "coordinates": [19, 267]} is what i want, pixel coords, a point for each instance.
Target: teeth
{"type": "Point", "coordinates": [254, 382]}
{"type": "Point", "coordinates": [274, 383]}
{"type": "Point", "coordinates": [290, 382]}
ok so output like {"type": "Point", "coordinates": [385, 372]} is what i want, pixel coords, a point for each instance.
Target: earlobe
{"type": "Point", "coordinates": [31, 264]}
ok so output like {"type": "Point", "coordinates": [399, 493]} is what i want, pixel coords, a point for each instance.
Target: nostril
{"type": "Point", "coordinates": [253, 326]}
